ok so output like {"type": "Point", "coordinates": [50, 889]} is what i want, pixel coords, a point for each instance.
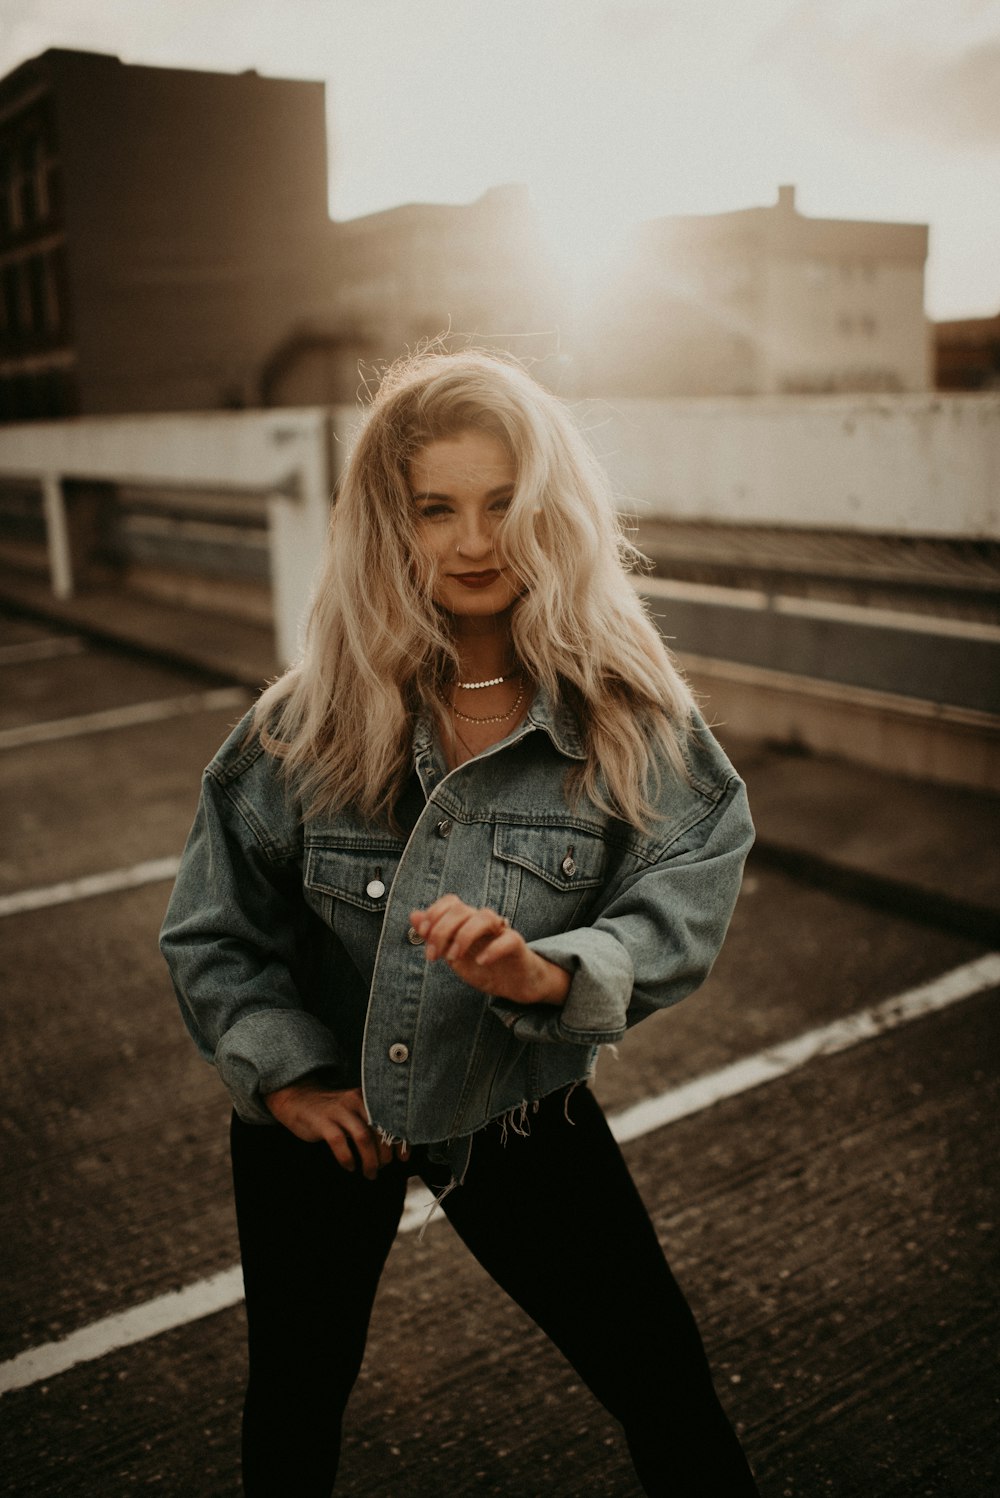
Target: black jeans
{"type": "Point", "coordinates": [554, 1217]}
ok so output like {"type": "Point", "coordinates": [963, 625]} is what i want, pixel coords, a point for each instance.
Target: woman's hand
{"type": "Point", "coordinates": [484, 950]}
{"type": "Point", "coordinates": [313, 1113]}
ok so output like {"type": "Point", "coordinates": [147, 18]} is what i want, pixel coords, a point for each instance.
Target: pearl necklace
{"type": "Point", "coordinates": [477, 686]}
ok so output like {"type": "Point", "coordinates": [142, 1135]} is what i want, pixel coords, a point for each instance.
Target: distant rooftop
{"type": "Point", "coordinates": [782, 227]}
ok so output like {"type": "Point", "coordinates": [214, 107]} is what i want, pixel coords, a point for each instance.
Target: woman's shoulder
{"type": "Point", "coordinates": [709, 767]}
{"type": "Point", "coordinates": [688, 794]}
{"type": "Point", "coordinates": [239, 753]}
{"type": "Point", "coordinates": [247, 775]}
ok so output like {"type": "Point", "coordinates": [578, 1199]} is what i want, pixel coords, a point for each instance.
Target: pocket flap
{"type": "Point", "coordinates": [564, 857]}
{"type": "Point", "coordinates": [353, 874]}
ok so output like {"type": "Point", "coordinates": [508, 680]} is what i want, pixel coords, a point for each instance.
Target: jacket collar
{"type": "Point", "coordinates": [551, 715]}
{"type": "Point", "coordinates": [558, 722]}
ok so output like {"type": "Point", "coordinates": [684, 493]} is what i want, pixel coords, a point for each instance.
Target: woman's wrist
{"type": "Point", "coordinates": [553, 983]}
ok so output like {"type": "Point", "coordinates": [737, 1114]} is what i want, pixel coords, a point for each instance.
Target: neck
{"type": "Point", "coordinates": [484, 646]}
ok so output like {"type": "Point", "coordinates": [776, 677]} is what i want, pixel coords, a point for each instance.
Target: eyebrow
{"type": "Point", "coordinates": [490, 493]}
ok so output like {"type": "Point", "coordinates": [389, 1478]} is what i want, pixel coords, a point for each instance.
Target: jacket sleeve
{"type": "Point", "coordinates": [231, 936]}
{"type": "Point", "coordinates": [653, 940]}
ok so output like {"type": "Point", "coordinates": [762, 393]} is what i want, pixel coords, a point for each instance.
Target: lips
{"type": "Point", "coordinates": [476, 579]}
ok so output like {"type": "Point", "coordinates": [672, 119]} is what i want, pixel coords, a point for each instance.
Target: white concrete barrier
{"type": "Point", "coordinates": [897, 464]}
{"type": "Point", "coordinates": [287, 455]}
{"type": "Point", "coordinates": [924, 464]}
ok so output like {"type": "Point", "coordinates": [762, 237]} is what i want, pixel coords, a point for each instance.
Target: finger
{"type": "Point", "coordinates": [424, 920]}
{"type": "Point", "coordinates": [421, 920]}
{"type": "Point", "coordinates": [363, 1128]}
{"type": "Point", "coordinates": [479, 925]}
{"type": "Point", "coordinates": [507, 944]}
{"type": "Point", "coordinates": [340, 1147]}
{"type": "Point", "coordinates": [442, 931]}
{"type": "Point", "coordinates": [363, 1141]}
{"type": "Point", "coordinates": [386, 1152]}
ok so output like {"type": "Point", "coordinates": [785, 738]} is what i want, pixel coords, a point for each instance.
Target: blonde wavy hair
{"type": "Point", "coordinates": [378, 649]}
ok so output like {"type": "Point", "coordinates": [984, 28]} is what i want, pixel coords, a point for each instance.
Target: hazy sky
{"type": "Point", "coordinates": [614, 110]}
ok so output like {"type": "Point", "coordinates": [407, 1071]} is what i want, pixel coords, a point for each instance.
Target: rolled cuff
{"type": "Point", "coordinates": [270, 1049]}
{"type": "Point", "coordinates": [595, 1008]}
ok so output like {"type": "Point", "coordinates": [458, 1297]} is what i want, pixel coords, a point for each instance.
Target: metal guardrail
{"type": "Point", "coordinates": [246, 496]}
{"type": "Point", "coordinates": [284, 459]}
{"type": "Point", "coordinates": [952, 663]}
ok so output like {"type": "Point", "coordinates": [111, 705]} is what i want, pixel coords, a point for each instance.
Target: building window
{"type": "Point", "coordinates": [25, 188]}
{"type": "Point", "coordinates": [13, 299]}
{"type": "Point", "coordinates": [7, 224]}
{"type": "Point", "coordinates": [36, 293]}
{"type": "Point", "coordinates": [34, 181]}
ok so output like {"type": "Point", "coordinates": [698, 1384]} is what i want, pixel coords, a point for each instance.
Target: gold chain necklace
{"type": "Point", "coordinates": [494, 717]}
{"type": "Point", "coordinates": [467, 747]}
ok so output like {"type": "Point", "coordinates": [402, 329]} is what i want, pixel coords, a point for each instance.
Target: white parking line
{"type": "Point", "coordinates": [223, 1290]}
{"type": "Point", "coordinates": [41, 650]}
{"type": "Point", "coordinates": [152, 872]}
{"type": "Point", "coordinates": [123, 717]}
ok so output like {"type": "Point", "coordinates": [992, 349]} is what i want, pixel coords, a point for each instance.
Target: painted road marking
{"type": "Point", "coordinates": [123, 717]}
{"type": "Point", "coordinates": [777, 1061]}
{"type": "Point", "coordinates": [41, 650]}
{"type": "Point", "coordinates": [221, 1291]}
{"type": "Point", "coordinates": [151, 872]}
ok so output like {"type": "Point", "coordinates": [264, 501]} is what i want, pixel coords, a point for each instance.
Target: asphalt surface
{"type": "Point", "coordinates": [835, 1229]}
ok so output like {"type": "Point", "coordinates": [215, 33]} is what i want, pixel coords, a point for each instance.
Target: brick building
{"type": "Point", "coordinates": [160, 229]}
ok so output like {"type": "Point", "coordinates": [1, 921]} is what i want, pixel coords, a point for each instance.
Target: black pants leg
{"type": "Point", "coordinates": [556, 1219]}
{"type": "Point", "coordinates": [314, 1239]}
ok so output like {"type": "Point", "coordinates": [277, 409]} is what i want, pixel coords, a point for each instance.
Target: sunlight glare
{"type": "Point", "coordinates": [582, 240]}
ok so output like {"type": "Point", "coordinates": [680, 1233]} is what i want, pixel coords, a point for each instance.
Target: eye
{"type": "Point", "coordinates": [433, 511]}
{"type": "Point", "coordinates": [501, 506]}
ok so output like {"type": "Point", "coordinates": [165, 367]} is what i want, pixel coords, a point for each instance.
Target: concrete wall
{"type": "Point", "coordinates": [900, 464]}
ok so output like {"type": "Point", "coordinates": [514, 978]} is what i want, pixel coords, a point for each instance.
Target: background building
{"type": "Point", "coordinates": [159, 231]}
{"type": "Point", "coordinates": [967, 354]}
{"type": "Point", "coordinates": [475, 273]}
{"type": "Point", "coordinates": [759, 301]}
{"type": "Point", "coordinates": [165, 245]}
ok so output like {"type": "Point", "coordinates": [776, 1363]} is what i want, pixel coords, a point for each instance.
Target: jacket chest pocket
{"type": "Point", "coordinates": [348, 887]}
{"type": "Point", "coordinates": [549, 876]}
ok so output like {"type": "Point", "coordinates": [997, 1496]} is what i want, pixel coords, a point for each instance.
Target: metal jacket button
{"type": "Point", "coordinates": [399, 1052]}
{"type": "Point", "coordinates": [569, 866]}
{"type": "Point", "coordinates": [443, 828]}
{"type": "Point", "coordinates": [414, 937]}
{"type": "Point", "coordinates": [374, 889]}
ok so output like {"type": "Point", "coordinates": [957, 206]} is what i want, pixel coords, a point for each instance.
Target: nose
{"type": "Point", "coordinates": [475, 538]}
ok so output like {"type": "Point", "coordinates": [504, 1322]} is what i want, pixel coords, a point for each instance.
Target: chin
{"type": "Point", "coordinates": [471, 605]}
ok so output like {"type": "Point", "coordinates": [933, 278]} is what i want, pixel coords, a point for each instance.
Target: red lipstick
{"type": "Point", "coordinates": [476, 579]}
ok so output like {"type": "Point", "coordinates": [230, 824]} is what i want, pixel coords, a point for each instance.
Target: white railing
{"type": "Point", "coordinates": [290, 456]}
{"type": "Point", "coordinates": [905, 465]}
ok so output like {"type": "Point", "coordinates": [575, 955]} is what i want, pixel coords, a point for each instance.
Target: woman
{"type": "Point", "coordinates": [478, 832]}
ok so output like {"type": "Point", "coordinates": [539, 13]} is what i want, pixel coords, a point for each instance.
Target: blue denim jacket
{"type": "Point", "coordinates": [291, 950]}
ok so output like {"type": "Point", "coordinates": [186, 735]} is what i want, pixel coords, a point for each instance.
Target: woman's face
{"type": "Point", "coordinates": [462, 487]}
